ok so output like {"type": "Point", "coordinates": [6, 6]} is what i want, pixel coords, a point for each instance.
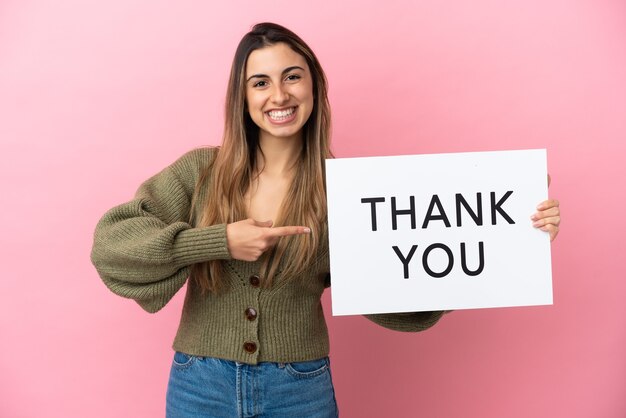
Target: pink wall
{"type": "Point", "coordinates": [95, 96]}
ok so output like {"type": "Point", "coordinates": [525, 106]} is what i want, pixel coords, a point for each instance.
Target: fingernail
{"type": "Point", "coordinates": [534, 217]}
{"type": "Point", "coordinates": [307, 230]}
{"type": "Point", "coordinates": [536, 224]}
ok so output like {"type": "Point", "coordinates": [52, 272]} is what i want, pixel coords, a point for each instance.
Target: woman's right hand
{"type": "Point", "coordinates": [249, 239]}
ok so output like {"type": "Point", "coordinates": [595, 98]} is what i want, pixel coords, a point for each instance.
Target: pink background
{"type": "Point", "coordinates": [96, 96]}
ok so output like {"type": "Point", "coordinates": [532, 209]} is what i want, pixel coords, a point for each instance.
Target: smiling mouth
{"type": "Point", "coordinates": [281, 115]}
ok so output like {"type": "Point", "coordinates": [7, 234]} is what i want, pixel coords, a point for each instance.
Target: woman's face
{"type": "Point", "coordinates": [279, 91]}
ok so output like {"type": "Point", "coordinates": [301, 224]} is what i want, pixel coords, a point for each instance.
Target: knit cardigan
{"type": "Point", "coordinates": [143, 250]}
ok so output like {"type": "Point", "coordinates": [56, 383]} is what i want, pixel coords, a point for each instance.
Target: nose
{"type": "Point", "coordinates": [279, 95]}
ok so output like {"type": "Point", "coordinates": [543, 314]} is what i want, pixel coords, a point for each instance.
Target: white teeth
{"type": "Point", "coordinates": [281, 114]}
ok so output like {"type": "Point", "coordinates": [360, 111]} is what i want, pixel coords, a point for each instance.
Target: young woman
{"type": "Point", "coordinates": [246, 223]}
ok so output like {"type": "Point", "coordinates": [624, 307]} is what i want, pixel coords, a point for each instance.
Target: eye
{"type": "Point", "coordinates": [293, 77]}
{"type": "Point", "coordinates": [261, 83]}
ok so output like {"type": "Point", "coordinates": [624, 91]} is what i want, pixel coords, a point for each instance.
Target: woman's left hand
{"type": "Point", "coordinates": [548, 217]}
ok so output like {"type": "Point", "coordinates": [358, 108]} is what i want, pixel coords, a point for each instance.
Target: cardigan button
{"type": "Point", "coordinates": [250, 347]}
{"type": "Point", "coordinates": [255, 280]}
{"type": "Point", "coordinates": [251, 314]}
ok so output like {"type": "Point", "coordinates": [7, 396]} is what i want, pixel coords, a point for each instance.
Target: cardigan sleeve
{"type": "Point", "coordinates": [407, 321]}
{"type": "Point", "coordinates": [143, 249]}
{"type": "Point", "coordinates": [402, 321]}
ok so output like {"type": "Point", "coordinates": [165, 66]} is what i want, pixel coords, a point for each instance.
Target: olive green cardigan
{"type": "Point", "coordinates": [143, 250]}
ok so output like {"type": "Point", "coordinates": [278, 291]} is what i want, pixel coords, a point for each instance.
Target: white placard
{"type": "Point", "coordinates": [437, 232]}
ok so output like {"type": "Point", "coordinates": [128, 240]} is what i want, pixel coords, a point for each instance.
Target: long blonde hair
{"type": "Point", "coordinates": [235, 166]}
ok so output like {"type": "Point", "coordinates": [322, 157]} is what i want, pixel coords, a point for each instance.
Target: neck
{"type": "Point", "coordinates": [279, 155]}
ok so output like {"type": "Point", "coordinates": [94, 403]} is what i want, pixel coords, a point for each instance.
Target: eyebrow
{"type": "Point", "coordinates": [286, 70]}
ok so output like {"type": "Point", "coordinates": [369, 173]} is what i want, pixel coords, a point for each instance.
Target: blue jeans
{"type": "Point", "coordinates": [211, 387]}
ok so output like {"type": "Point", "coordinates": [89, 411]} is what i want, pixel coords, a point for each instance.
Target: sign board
{"type": "Point", "coordinates": [437, 232]}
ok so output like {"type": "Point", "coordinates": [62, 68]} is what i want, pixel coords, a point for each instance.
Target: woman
{"type": "Point", "coordinates": [246, 223]}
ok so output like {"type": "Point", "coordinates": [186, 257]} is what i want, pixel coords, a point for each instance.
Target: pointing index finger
{"type": "Point", "coordinates": [283, 231]}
